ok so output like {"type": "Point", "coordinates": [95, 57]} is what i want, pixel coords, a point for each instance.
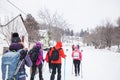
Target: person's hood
{"type": "Point", "coordinates": [38, 44]}
{"type": "Point", "coordinates": [59, 44]}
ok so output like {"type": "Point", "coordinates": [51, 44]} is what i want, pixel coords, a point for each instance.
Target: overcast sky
{"type": "Point", "coordinates": [78, 13]}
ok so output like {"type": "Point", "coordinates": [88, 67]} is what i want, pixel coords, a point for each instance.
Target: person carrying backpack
{"type": "Point", "coordinates": [56, 63]}
{"type": "Point", "coordinates": [11, 58]}
{"type": "Point", "coordinates": [48, 59]}
{"type": "Point", "coordinates": [77, 57]}
{"type": "Point", "coordinates": [37, 60]}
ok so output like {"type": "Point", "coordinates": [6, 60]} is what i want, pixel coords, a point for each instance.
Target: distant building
{"type": "Point", "coordinates": [44, 38]}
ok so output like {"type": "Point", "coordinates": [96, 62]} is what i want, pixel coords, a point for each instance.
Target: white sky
{"type": "Point", "coordinates": [78, 13]}
{"type": "Point", "coordinates": [97, 64]}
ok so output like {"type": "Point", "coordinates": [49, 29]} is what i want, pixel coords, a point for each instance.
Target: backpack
{"type": "Point", "coordinates": [34, 53]}
{"type": "Point", "coordinates": [55, 54]}
{"type": "Point", "coordinates": [10, 62]}
{"type": "Point", "coordinates": [76, 55]}
{"type": "Point", "coordinates": [49, 58]}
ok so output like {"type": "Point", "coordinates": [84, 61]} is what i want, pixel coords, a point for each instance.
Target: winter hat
{"type": "Point", "coordinates": [15, 38]}
{"type": "Point", "coordinates": [15, 35]}
{"type": "Point", "coordinates": [38, 44]}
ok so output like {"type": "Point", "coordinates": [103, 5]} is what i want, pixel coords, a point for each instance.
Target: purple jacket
{"type": "Point", "coordinates": [40, 56]}
{"type": "Point", "coordinates": [27, 60]}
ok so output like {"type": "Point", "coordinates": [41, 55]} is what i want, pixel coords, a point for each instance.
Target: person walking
{"type": "Point", "coordinates": [48, 59]}
{"type": "Point", "coordinates": [37, 62]}
{"type": "Point", "coordinates": [14, 50]}
{"type": "Point", "coordinates": [77, 57]}
{"type": "Point", "coordinates": [56, 54]}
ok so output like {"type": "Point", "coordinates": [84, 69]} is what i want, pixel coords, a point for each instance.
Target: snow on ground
{"type": "Point", "coordinates": [97, 64]}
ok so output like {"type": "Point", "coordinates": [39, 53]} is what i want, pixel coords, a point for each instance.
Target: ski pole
{"type": "Point", "coordinates": [44, 65]}
{"type": "Point", "coordinates": [19, 65]}
{"type": "Point", "coordinates": [22, 58]}
{"type": "Point", "coordinates": [81, 70]}
{"type": "Point", "coordinates": [72, 67]}
{"type": "Point", "coordinates": [64, 69]}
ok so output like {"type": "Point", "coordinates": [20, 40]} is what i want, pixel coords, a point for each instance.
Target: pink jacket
{"type": "Point", "coordinates": [40, 56]}
{"type": "Point", "coordinates": [76, 54]}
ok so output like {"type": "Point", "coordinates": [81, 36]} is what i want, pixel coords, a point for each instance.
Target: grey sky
{"type": "Point", "coordinates": [79, 13]}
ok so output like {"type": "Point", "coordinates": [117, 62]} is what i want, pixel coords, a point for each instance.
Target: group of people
{"type": "Point", "coordinates": [56, 65]}
{"type": "Point", "coordinates": [36, 62]}
{"type": "Point", "coordinates": [16, 67]}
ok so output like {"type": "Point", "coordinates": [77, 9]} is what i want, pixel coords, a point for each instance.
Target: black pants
{"type": "Point", "coordinates": [34, 71]}
{"type": "Point", "coordinates": [50, 66]}
{"type": "Point", "coordinates": [54, 68]}
{"type": "Point", "coordinates": [77, 66]}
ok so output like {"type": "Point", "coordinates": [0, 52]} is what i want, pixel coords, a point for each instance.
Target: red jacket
{"type": "Point", "coordinates": [47, 57]}
{"type": "Point", "coordinates": [61, 52]}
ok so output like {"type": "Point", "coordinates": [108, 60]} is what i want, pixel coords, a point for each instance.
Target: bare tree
{"type": "Point", "coordinates": [102, 36]}
{"type": "Point", "coordinates": [118, 22]}
{"type": "Point", "coordinates": [95, 39]}
{"type": "Point", "coordinates": [53, 21]}
{"type": "Point", "coordinates": [116, 37]}
{"type": "Point", "coordinates": [116, 33]}
{"type": "Point", "coordinates": [91, 38]}
{"type": "Point", "coordinates": [108, 34]}
{"type": "Point", "coordinates": [105, 35]}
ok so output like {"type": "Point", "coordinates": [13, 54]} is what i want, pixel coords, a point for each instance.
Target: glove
{"type": "Point", "coordinates": [65, 56]}
{"type": "Point", "coordinates": [23, 54]}
{"type": "Point", "coordinates": [43, 60]}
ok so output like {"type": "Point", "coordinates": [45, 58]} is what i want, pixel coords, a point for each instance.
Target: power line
{"type": "Point", "coordinates": [16, 7]}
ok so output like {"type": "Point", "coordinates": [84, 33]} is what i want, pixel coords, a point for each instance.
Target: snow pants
{"type": "Point", "coordinates": [34, 71]}
{"type": "Point", "coordinates": [54, 68]}
{"type": "Point", "coordinates": [50, 66]}
{"type": "Point", "coordinates": [77, 66]}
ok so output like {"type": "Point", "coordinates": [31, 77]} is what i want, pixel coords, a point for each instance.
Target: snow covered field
{"type": "Point", "coordinates": [97, 64]}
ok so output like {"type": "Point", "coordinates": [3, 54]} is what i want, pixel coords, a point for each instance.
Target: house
{"type": "Point", "coordinates": [9, 18]}
{"type": "Point", "coordinates": [44, 38]}
{"type": "Point", "coordinates": [14, 25]}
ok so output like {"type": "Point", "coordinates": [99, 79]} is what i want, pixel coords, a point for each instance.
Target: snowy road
{"type": "Point", "coordinates": [97, 64]}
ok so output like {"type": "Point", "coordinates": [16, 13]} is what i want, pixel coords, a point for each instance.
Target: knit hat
{"type": "Point", "coordinates": [15, 38]}
{"type": "Point", "coordinates": [15, 35]}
